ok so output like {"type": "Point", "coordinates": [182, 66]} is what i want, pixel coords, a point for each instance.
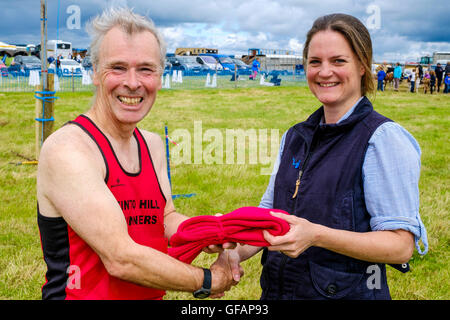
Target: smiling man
{"type": "Point", "coordinates": [105, 208]}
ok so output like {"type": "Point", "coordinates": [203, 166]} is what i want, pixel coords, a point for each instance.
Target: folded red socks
{"type": "Point", "coordinates": [244, 225]}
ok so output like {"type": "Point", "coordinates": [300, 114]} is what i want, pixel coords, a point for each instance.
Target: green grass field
{"type": "Point", "coordinates": [222, 187]}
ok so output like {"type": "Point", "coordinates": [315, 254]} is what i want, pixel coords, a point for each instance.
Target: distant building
{"type": "Point", "coordinates": [441, 57]}
{"type": "Point", "coordinates": [286, 61]}
{"type": "Point", "coordinates": [194, 51]}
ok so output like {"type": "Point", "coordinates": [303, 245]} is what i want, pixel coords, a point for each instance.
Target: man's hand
{"type": "Point", "coordinates": [226, 272]}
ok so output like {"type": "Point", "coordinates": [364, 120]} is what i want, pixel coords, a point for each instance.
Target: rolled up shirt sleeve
{"type": "Point", "coordinates": [391, 172]}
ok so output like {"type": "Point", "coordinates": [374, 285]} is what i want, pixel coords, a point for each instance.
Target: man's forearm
{"type": "Point", "coordinates": [171, 222]}
{"type": "Point", "coordinates": [151, 268]}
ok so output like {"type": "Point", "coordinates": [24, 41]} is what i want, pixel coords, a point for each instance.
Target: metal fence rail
{"type": "Point", "coordinates": [171, 79]}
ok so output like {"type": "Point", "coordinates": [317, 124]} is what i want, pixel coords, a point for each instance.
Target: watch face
{"type": "Point", "coordinates": [201, 294]}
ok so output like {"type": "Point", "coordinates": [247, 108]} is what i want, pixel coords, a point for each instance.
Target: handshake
{"type": "Point", "coordinates": [225, 272]}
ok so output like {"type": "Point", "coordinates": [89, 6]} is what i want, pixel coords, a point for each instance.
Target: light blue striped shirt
{"type": "Point", "coordinates": [391, 172]}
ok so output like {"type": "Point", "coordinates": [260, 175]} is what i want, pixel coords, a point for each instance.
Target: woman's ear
{"type": "Point", "coordinates": [362, 71]}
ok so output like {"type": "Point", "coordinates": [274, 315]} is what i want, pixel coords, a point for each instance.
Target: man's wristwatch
{"type": "Point", "coordinates": [205, 290]}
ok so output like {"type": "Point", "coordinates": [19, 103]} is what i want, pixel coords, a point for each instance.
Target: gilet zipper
{"type": "Point", "coordinates": [294, 196]}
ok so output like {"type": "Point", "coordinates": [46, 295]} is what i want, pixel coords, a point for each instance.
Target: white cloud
{"type": "Point", "coordinates": [406, 29]}
{"type": "Point", "coordinates": [295, 45]}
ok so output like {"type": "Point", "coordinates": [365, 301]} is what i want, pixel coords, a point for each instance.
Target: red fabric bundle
{"type": "Point", "coordinates": [244, 225]}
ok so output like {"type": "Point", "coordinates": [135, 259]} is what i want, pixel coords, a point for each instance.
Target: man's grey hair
{"type": "Point", "coordinates": [129, 22]}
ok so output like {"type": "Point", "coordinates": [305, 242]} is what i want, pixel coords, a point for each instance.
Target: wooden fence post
{"type": "Point", "coordinates": [44, 113]}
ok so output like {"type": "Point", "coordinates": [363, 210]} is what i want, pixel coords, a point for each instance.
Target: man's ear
{"type": "Point", "coordinates": [95, 76]}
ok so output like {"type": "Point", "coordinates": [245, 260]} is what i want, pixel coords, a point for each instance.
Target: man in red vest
{"type": "Point", "coordinates": [105, 208]}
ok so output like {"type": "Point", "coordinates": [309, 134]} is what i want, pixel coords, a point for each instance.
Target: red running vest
{"type": "Point", "coordinates": [142, 202]}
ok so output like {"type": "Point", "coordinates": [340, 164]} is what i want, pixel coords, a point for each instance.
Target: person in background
{"type": "Point", "coordinates": [420, 68]}
{"type": "Point", "coordinates": [353, 198]}
{"type": "Point", "coordinates": [432, 81]}
{"type": "Point", "coordinates": [380, 77]}
{"type": "Point", "coordinates": [426, 82]}
{"type": "Point", "coordinates": [447, 83]}
{"type": "Point", "coordinates": [397, 76]}
{"type": "Point", "coordinates": [447, 67]}
{"type": "Point", "coordinates": [447, 71]}
{"type": "Point", "coordinates": [58, 64]}
{"type": "Point", "coordinates": [412, 79]}
{"type": "Point", "coordinates": [439, 76]}
{"type": "Point", "coordinates": [255, 68]}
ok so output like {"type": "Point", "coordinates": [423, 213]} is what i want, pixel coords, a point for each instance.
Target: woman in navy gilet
{"type": "Point", "coordinates": [349, 178]}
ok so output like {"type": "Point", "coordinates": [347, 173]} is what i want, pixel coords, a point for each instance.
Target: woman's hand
{"type": "Point", "coordinates": [300, 237]}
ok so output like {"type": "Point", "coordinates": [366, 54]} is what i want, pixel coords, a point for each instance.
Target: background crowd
{"type": "Point", "coordinates": [431, 80]}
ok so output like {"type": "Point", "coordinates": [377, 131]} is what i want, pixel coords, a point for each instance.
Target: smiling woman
{"type": "Point", "coordinates": [351, 59]}
{"type": "Point", "coordinates": [333, 74]}
{"type": "Point", "coordinates": [335, 176]}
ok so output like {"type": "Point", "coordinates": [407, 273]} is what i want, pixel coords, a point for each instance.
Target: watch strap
{"type": "Point", "coordinates": [207, 279]}
{"type": "Point", "coordinates": [205, 290]}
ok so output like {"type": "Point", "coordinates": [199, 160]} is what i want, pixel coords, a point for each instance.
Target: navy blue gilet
{"type": "Point", "coordinates": [327, 159]}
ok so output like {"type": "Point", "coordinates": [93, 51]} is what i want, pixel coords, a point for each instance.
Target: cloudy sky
{"type": "Point", "coordinates": [400, 30]}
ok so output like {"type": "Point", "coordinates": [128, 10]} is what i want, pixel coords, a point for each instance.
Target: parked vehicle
{"type": "Point", "coordinates": [13, 67]}
{"type": "Point", "coordinates": [27, 62]}
{"type": "Point", "coordinates": [242, 67]}
{"type": "Point", "coordinates": [209, 61]}
{"type": "Point", "coordinates": [56, 48]}
{"type": "Point", "coordinates": [186, 63]}
{"type": "Point", "coordinates": [67, 68]}
{"type": "Point", "coordinates": [224, 60]}
{"type": "Point", "coordinates": [87, 63]}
